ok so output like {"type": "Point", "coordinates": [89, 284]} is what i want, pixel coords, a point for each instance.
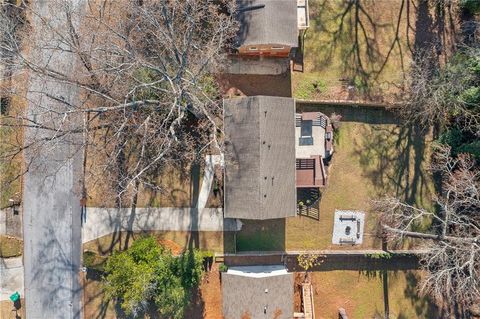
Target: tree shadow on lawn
{"type": "Point", "coordinates": [422, 304]}
{"type": "Point", "coordinates": [394, 159]}
{"type": "Point", "coordinates": [372, 41]}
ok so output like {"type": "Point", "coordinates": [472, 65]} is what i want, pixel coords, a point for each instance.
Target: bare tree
{"type": "Point", "coordinates": [146, 93]}
{"type": "Point", "coordinates": [436, 96]}
{"type": "Point", "coordinates": [452, 243]}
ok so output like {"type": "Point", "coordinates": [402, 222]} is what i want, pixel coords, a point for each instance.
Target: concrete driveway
{"type": "Point", "coordinates": [103, 221]}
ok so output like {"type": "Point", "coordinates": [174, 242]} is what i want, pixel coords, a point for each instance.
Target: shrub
{"type": "Point", "coordinates": [471, 5]}
{"type": "Point", "coordinates": [146, 273]}
{"type": "Point", "coordinates": [223, 267]}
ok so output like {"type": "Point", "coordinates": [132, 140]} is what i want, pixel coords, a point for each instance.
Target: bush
{"type": "Point", "coordinates": [89, 258]}
{"type": "Point", "coordinates": [383, 255]}
{"type": "Point", "coordinates": [223, 268]}
{"type": "Point", "coordinates": [146, 274]}
{"type": "Point", "coordinates": [471, 5]}
{"type": "Point", "coordinates": [460, 142]}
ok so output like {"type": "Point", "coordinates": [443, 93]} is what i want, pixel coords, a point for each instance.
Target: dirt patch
{"type": "Point", "coordinates": [249, 85]}
{"type": "Point", "coordinates": [7, 310]}
{"type": "Point", "coordinates": [175, 248]}
{"type": "Point", "coordinates": [297, 292]}
{"type": "Point", "coordinates": [207, 303]}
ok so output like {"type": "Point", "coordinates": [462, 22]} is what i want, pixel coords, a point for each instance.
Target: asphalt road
{"type": "Point", "coordinates": [51, 204]}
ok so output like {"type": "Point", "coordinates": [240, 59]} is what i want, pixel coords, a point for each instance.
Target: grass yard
{"type": "Point", "coordinates": [261, 235]}
{"type": "Point", "coordinates": [180, 187]}
{"type": "Point", "coordinates": [369, 161]}
{"type": "Point", "coordinates": [362, 295]}
{"type": "Point", "coordinates": [95, 304]}
{"type": "Point", "coordinates": [10, 139]}
{"type": "Point", "coordinates": [374, 62]}
{"type": "Point", "coordinates": [176, 240]}
{"type": "Point", "coordinates": [10, 247]}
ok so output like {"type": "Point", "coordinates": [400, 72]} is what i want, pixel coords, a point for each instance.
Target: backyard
{"type": "Point", "coordinates": [360, 50]}
{"type": "Point", "coordinates": [363, 295]}
{"type": "Point", "coordinates": [369, 161]}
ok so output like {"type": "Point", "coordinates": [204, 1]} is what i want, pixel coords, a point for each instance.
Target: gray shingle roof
{"type": "Point", "coordinates": [247, 295]}
{"type": "Point", "coordinates": [260, 157]}
{"type": "Point", "coordinates": [267, 22]}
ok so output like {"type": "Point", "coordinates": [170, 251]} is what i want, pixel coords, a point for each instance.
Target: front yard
{"type": "Point", "coordinates": [10, 247]}
{"type": "Point", "coordinates": [176, 240]}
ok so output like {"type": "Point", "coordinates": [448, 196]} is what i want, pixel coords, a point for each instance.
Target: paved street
{"type": "Point", "coordinates": [52, 234]}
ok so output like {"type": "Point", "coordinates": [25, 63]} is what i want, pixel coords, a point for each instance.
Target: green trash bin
{"type": "Point", "coordinates": [15, 297]}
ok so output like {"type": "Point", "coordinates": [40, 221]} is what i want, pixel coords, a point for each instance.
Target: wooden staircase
{"type": "Point", "coordinates": [307, 299]}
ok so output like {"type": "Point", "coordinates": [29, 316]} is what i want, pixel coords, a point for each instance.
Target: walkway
{"type": "Point", "coordinates": [11, 279]}
{"type": "Point", "coordinates": [210, 162]}
{"type": "Point", "coordinates": [103, 221]}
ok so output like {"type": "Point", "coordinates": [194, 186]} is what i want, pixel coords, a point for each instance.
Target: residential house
{"type": "Point", "coordinates": [258, 292]}
{"type": "Point", "coordinates": [259, 157]}
{"type": "Point", "coordinates": [270, 27]}
{"type": "Point", "coordinates": [270, 153]}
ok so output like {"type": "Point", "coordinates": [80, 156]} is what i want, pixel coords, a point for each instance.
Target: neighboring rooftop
{"type": "Point", "coordinates": [257, 292]}
{"type": "Point", "coordinates": [267, 22]}
{"type": "Point", "coordinates": [260, 157]}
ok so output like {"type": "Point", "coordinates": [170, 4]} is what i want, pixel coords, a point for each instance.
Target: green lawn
{"type": "Point", "coordinates": [261, 235]}
{"type": "Point", "coordinates": [362, 295]}
{"type": "Point", "coordinates": [369, 161]}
